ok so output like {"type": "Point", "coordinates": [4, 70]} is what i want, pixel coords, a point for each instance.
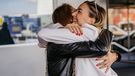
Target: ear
{"type": "Point", "coordinates": [93, 20]}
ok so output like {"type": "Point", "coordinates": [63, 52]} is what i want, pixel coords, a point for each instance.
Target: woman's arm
{"type": "Point", "coordinates": [42, 43]}
{"type": "Point", "coordinates": [109, 58]}
{"type": "Point", "coordinates": [85, 49]}
{"type": "Point", "coordinates": [64, 36]}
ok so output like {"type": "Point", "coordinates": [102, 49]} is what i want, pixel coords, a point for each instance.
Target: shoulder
{"type": "Point", "coordinates": [106, 32]}
{"type": "Point", "coordinates": [53, 26]}
{"type": "Point", "coordinates": [90, 32]}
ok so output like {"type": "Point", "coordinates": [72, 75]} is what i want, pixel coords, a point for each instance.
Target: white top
{"type": "Point", "coordinates": [64, 36]}
{"type": "Point", "coordinates": [83, 66]}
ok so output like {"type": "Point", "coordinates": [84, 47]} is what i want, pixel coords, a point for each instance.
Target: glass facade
{"type": "Point", "coordinates": [121, 17]}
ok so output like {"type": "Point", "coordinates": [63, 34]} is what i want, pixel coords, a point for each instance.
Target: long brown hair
{"type": "Point", "coordinates": [63, 14]}
{"type": "Point", "coordinates": [96, 12]}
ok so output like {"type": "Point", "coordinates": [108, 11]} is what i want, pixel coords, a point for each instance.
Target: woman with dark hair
{"type": "Point", "coordinates": [63, 14]}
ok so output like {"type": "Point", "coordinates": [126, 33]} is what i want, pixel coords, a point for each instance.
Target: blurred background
{"type": "Point", "coordinates": [24, 18]}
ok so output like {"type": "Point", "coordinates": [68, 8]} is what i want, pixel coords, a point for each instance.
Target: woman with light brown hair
{"type": "Point", "coordinates": [93, 14]}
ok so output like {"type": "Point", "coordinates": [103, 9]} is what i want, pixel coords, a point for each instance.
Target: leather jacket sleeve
{"type": "Point", "coordinates": [86, 49]}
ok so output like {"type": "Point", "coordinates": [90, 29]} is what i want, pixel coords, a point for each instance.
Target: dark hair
{"type": "Point", "coordinates": [63, 14]}
{"type": "Point", "coordinates": [96, 12]}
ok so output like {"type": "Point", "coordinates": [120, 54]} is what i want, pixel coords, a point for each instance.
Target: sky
{"type": "Point", "coordinates": [15, 7]}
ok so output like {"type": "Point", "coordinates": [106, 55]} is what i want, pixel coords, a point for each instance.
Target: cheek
{"type": "Point", "coordinates": [81, 20]}
{"type": "Point", "coordinates": [87, 19]}
{"type": "Point", "coordinates": [78, 17]}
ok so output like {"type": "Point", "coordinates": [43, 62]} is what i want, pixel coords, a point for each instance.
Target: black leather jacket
{"type": "Point", "coordinates": [60, 57]}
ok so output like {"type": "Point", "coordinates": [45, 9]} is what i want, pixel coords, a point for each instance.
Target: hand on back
{"type": "Point", "coordinates": [75, 28]}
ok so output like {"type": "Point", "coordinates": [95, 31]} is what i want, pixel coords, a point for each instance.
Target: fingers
{"type": "Point", "coordinates": [74, 28]}
{"type": "Point", "coordinates": [78, 30]}
{"type": "Point", "coordinates": [107, 69]}
{"type": "Point", "coordinates": [105, 62]}
{"type": "Point", "coordinates": [102, 64]}
{"type": "Point", "coordinates": [70, 28]}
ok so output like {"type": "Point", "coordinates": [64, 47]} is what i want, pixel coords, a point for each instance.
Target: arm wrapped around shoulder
{"type": "Point", "coordinates": [104, 40]}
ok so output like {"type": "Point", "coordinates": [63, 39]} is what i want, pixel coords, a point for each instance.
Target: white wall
{"type": "Point", "coordinates": [45, 7]}
{"type": "Point", "coordinates": [22, 60]}
{"type": "Point", "coordinates": [76, 3]}
{"type": "Point", "coordinates": [18, 7]}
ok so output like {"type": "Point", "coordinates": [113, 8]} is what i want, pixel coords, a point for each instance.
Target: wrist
{"type": "Point", "coordinates": [117, 55]}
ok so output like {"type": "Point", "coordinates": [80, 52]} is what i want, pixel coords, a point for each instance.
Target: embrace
{"type": "Point", "coordinates": [77, 44]}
